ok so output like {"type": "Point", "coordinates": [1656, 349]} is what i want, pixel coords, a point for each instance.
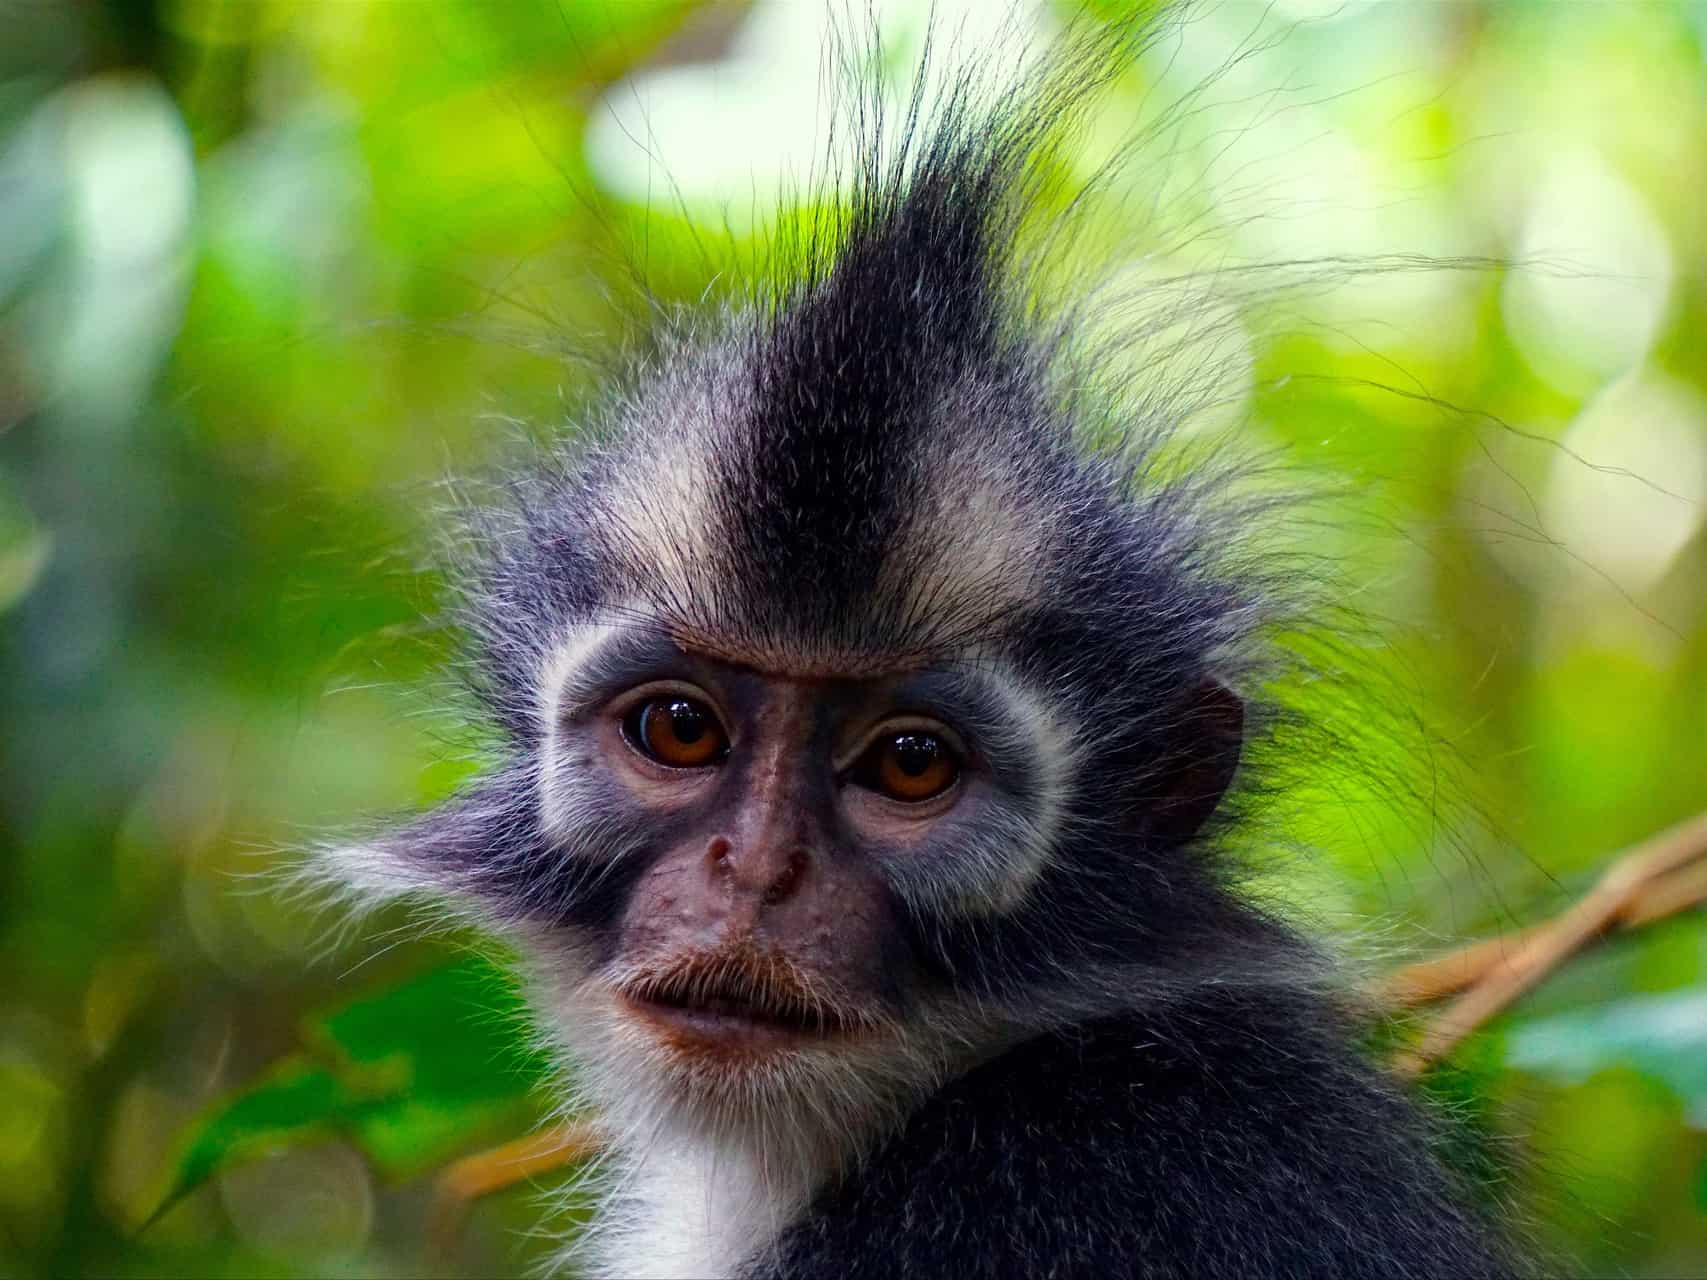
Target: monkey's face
{"type": "Point", "coordinates": [760, 924]}
{"type": "Point", "coordinates": [785, 835]}
{"type": "Point", "coordinates": [854, 717]}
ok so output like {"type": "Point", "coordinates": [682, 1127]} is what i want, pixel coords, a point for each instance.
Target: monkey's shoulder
{"type": "Point", "coordinates": [1235, 1134]}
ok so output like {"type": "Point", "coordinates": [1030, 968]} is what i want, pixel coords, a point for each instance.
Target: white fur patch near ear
{"type": "Point", "coordinates": [1033, 843]}
{"type": "Point", "coordinates": [578, 649]}
{"type": "Point", "coordinates": [1057, 754]}
{"type": "Point", "coordinates": [372, 871]}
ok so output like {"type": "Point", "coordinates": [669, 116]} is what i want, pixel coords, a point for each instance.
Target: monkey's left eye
{"type": "Point", "coordinates": [911, 766]}
{"type": "Point", "coordinates": [676, 731]}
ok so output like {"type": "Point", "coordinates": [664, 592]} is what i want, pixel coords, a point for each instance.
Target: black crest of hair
{"type": "Point", "coordinates": [896, 453]}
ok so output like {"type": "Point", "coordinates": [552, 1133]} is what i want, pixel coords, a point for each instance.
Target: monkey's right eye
{"type": "Point", "coordinates": [676, 731]}
{"type": "Point", "coordinates": [910, 766]}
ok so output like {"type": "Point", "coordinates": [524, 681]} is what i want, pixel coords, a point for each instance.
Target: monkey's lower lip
{"type": "Point", "coordinates": [724, 1023]}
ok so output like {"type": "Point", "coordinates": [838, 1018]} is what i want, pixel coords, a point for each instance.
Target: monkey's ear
{"type": "Point", "coordinates": [448, 850]}
{"type": "Point", "coordinates": [1199, 768]}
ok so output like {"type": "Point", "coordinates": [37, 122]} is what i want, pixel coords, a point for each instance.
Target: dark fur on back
{"type": "Point", "coordinates": [1228, 1135]}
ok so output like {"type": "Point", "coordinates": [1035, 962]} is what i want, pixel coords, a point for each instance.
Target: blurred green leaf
{"type": "Point", "coordinates": [1664, 1037]}
{"type": "Point", "coordinates": [294, 1102]}
{"type": "Point", "coordinates": [1616, 1134]}
{"type": "Point", "coordinates": [437, 1058]}
{"type": "Point", "coordinates": [24, 547]}
{"type": "Point", "coordinates": [411, 1075]}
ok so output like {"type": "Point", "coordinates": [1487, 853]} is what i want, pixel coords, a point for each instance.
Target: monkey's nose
{"type": "Point", "coordinates": [770, 875]}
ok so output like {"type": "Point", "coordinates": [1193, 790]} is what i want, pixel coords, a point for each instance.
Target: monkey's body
{"type": "Point", "coordinates": [878, 712]}
{"type": "Point", "coordinates": [1230, 1135]}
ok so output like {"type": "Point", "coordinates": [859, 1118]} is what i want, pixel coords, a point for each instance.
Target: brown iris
{"type": "Point", "coordinates": [911, 766]}
{"type": "Point", "coordinates": [676, 731]}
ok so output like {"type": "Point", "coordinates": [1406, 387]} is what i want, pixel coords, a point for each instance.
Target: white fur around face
{"type": "Point", "coordinates": [1057, 753]}
{"type": "Point", "coordinates": [556, 787]}
{"type": "Point", "coordinates": [364, 875]}
{"type": "Point", "coordinates": [678, 1194]}
{"type": "Point", "coordinates": [692, 1209]}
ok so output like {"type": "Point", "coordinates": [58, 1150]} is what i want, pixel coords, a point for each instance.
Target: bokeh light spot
{"type": "Point", "coordinates": [1594, 275]}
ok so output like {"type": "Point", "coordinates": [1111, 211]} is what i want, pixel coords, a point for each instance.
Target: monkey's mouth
{"type": "Point", "coordinates": [733, 1004]}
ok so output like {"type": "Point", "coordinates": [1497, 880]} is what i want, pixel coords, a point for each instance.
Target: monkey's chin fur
{"type": "Point", "coordinates": [708, 1067]}
{"type": "Point", "coordinates": [808, 1086]}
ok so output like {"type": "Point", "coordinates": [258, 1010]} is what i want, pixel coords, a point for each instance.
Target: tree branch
{"type": "Point", "coordinates": [484, 1172]}
{"type": "Point", "coordinates": [1656, 878]}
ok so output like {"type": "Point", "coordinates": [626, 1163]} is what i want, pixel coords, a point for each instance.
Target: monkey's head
{"type": "Point", "coordinates": [861, 715]}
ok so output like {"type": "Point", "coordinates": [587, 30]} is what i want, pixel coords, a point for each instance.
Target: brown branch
{"type": "Point", "coordinates": [1656, 878]}
{"type": "Point", "coordinates": [504, 1166]}
{"type": "Point", "coordinates": [1444, 975]}
{"type": "Point", "coordinates": [1667, 896]}
{"type": "Point", "coordinates": [1425, 981]}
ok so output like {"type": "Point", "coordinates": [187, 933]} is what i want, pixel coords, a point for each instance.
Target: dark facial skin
{"type": "Point", "coordinates": [764, 920]}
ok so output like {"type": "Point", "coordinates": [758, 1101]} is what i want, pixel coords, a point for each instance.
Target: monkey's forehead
{"type": "Point", "coordinates": [781, 655]}
{"type": "Point", "coordinates": [760, 544]}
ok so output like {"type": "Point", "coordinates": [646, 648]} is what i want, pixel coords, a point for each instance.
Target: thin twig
{"type": "Point", "coordinates": [1653, 879]}
{"type": "Point", "coordinates": [1426, 981]}
{"type": "Point", "coordinates": [1433, 979]}
{"type": "Point", "coordinates": [1677, 892]}
{"type": "Point", "coordinates": [484, 1172]}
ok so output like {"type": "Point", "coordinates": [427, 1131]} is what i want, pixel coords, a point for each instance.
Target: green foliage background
{"type": "Point", "coordinates": [270, 270]}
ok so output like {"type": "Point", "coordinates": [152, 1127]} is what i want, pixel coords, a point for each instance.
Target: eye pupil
{"type": "Point", "coordinates": [915, 754]}
{"type": "Point", "coordinates": [686, 721]}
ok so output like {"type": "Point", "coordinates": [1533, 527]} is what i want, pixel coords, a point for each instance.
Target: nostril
{"type": "Point", "coordinates": [717, 854]}
{"type": "Point", "coordinates": [787, 879]}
